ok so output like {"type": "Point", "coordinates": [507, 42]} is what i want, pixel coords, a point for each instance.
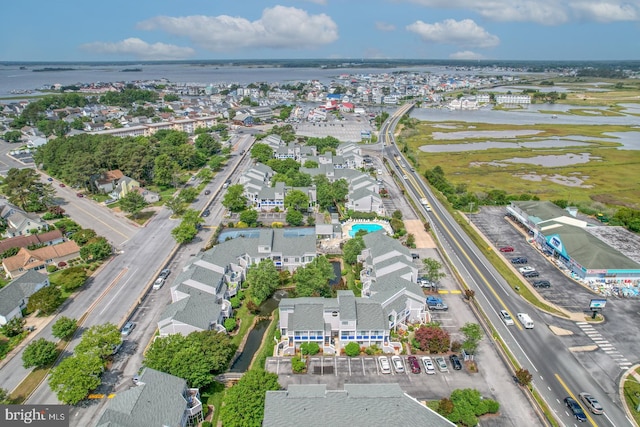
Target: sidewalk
{"type": "Point", "coordinates": [38, 323]}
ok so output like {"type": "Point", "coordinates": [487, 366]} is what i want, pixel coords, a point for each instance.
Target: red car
{"type": "Point", "coordinates": [415, 365]}
{"type": "Point", "coordinates": [79, 194]}
{"type": "Point", "coordinates": [506, 249]}
{"type": "Point", "coordinates": [62, 185]}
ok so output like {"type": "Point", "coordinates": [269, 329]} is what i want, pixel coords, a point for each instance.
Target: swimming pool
{"type": "Point", "coordinates": [368, 227]}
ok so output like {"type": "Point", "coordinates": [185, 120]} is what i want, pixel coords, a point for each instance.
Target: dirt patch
{"type": "Point", "coordinates": [423, 239]}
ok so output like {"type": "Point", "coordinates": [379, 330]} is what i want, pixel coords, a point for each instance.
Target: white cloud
{"type": "Point", "coordinates": [464, 33]}
{"type": "Point", "coordinates": [322, 2]}
{"type": "Point", "coordinates": [383, 26]}
{"type": "Point", "coordinates": [606, 11]}
{"type": "Point", "coordinates": [546, 12]}
{"type": "Point", "coordinates": [140, 49]}
{"type": "Point", "coordinates": [466, 54]}
{"type": "Point", "coordinates": [279, 27]}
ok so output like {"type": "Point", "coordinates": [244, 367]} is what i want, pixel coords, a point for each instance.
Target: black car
{"type": "Point", "coordinates": [519, 260]}
{"type": "Point", "coordinates": [164, 273]}
{"type": "Point", "coordinates": [531, 274]}
{"type": "Point", "coordinates": [575, 408]}
{"type": "Point", "coordinates": [455, 362]}
{"type": "Point", "coordinates": [541, 284]}
{"type": "Point", "coordinates": [206, 213]}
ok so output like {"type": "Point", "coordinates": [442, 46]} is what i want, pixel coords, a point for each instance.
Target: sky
{"type": "Point", "coordinates": [138, 30]}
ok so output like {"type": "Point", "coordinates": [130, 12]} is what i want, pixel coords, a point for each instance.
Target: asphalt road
{"type": "Point", "coordinates": [556, 371]}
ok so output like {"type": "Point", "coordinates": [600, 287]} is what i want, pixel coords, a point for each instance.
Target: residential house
{"type": "Point", "coordinates": [312, 405]}
{"type": "Point", "coordinates": [38, 259]}
{"type": "Point", "coordinates": [390, 277]}
{"type": "Point", "coordinates": [364, 200]}
{"type": "Point", "coordinates": [52, 237]}
{"type": "Point", "coordinates": [333, 323]}
{"type": "Point", "coordinates": [148, 195]}
{"type": "Point", "coordinates": [107, 181]}
{"type": "Point", "coordinates": [19, 222]}
{"type": "Point", "coordinates": [200, 293]}
{"type": "Point", "coordinates": [15, 295]}
{"type": "Point", "coordinates": [157, 400]}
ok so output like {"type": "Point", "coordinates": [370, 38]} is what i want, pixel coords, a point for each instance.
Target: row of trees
{"type": "Point", "coordinates": [433, 339]}
{"type": "Point", "coordinates": [77, 375]}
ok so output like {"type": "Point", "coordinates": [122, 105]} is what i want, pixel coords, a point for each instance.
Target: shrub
{"type": "Point", "coordinates": [51, 268]}
{"type": "Point", "coordinates": [230, 324]}
{"type": "Point", "coordinates": [373, 350]}
{"type": "Point", "coordinates": [352, 349]}
{"type": "Point", "coordinates": [206, 424]}
{"type": "Point", "coordinates": [235, 302]}
{"type": "Point", "coordinates": [456, 346]}
{"type": "Point", "coordinates": [310, 348]}
{"type": "Point", "coordinates": [276, 225]}
{"type": "Point", "coordinates": [297, 365]}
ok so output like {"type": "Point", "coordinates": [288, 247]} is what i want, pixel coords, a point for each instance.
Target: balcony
{"type": "Point", "coordinates": [194, 405]}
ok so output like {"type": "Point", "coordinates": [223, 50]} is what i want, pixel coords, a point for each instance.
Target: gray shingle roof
{"type": "Point", "coordinates": [158, 401]}
{"type": "Point", "coordinates": [307, 317]}
{"type": "Point", "coordinates": [199, 309]}
{"type": "Point", "coordinates": [369, 404]}
{"type": "Point", "coordinates": [18, 289]}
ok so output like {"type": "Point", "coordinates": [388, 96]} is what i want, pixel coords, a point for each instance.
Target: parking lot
{"type": "Point", "coordinates": [339, 370]}
{"type": "Point", "coordinates": [563, 292]}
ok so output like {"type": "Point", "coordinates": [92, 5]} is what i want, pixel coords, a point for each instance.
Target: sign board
{"type": "Point", "coordinates": [597, 304]}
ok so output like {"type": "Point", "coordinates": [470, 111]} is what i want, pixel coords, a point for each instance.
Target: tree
{"type": "Point", "coordinates": [72, 278]}
{"type": "Point", "coordinates": [96, 250]}
{"type": "Point", "coordinates": [99, 340]}
{"type": "Point", "coordinates": [184, 232]}
{"type": "Point", "coordinates": [313, 279]}
{"type": "Point", "coordinates": [351, 249]}
{"type": "Point", "coordinates": [75, 377]}
{"type": "Point", "coordinates": [24, 189]}
{"type": "Point", "coordinates": [411, 240]}
{"type": "Point", "coordinates": [234, 199]}
{"type": "Point", "coordinates": [13, 327]}
{"type": "Point", "coordinates": [133, 202]}
{"type": "Point", "coordinates": [469, 294]}
{"type": "Point", "coordinates": [196, 357]}
{"type": "Point", "coordinates": [207, 144]}
{"type": "Point", "coordinates": [296, 199]}
{"type": "Point", "coordinates": [12, 136]}
{"type": "Point", "coordinates": [263, 280]}
{"type": "Point", "coordinates": [249, 217]}
{"type": "Point", "coordinates": [352, 349]}
{"type": "Point", "coordinates": [524, 377]}
{"type": "Point", "coordinates": [261, 152]}
{"type": "Point", "coordinates": [81, 237]}
{"type": "Point", "coordinates": [176, 205]}
{"type": "Point", "coordinates": [4, 397]}
{"type": "Point", "coordinates": [397, 214]}
{"type": "Point", "coordinates": [294, 218]}
{"type": "Point", "coordinates": [432, 339]}
{"type": "Point", "coordinates": [39, 353]}
{"type": "Point", "coordinates": [188, 195]}
{"type": "Point", "coordinates": [433, 273]}
{"type": "Point", "coordinates": [230, 324]}
{"type": "Point", "coordinates": [243, 404]}
{"type": "Point", "coordinates": [445, 406]}
{"type": "Point", "coordinates": [64, 328]}
{"type": "Point", "coordinates": [47, 300]}
{"type": "Point", "coordinates": [468, 405]}
{"type": "Point", "coordinates": [472, 334]}
{"type": "Point", "coordinates": [165, 170]}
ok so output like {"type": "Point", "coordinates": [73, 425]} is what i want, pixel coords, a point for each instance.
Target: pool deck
{"type": "Point", "coordinates": [346, 227]}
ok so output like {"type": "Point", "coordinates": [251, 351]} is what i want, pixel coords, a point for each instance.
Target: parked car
{"type": "Point", "coordinates": [207, 192]}
{"type": "Point", "coordinates": [506, 249]}
{"type": "Point", "coordinates": [415, 365]}
{"type": "Point", "coordinates": [49, 179]}
{"type": "Point", "coordinates": [519, 260]}
{"type": "Point", "coordinates": [398, 366]}
{"type": "Point", "coordinates": [591, 403]}
{"type": "Point", "coordinates": [506, 318]}
{"type": "Point", "coordinates": [442, 365]}
{"type": "Point", "coordinates": [164, 273]}
{"type": "Point", "coordinates": [541, 284]}
{"type": "Point", "coordinates": [385, 366]}
{"type": "Point", "coordinates": [127, 328]}
{"type": "Point", "coordinates": [206, 213]}
{"type": "Point", "coordinates": [455, 362]}
{"type": "Point", "coordinates": [62, 185]}
{"type": "Point", "coordinates": [428, 365]}
{"type": "Point", "coordinates": [158, 283]}
{"type": "Point", "coordinates": [415, 255]}
{"type": "Point", "coordinates": [79, 195]}
{"type": "Point", "coordinates": [531, 274]}
{"type": "Point", "coordinates": [575, 408]}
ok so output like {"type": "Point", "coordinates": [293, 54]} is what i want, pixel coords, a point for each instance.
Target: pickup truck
{"type": "Point", "coordinates": [436, 303]}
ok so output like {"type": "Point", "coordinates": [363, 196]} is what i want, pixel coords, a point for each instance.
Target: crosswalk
{"type": "Point", "coordinates": [604, 345]}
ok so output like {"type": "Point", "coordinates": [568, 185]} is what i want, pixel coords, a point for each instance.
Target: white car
{"type": "Point", "coordinates": [526, 269]}
{"type": "Point", "coordinates": [506, 318]}
{"type": "Point", "coordinates": [428, 365]}
{"type": "Point", "coordinates": [158, 283]}
{"type": "Point", "coordinates": [398, 366]}
{"type": "Point", "coordinates": [442, 364]}
{"type": "Point", "coordinates": [385, 366]}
